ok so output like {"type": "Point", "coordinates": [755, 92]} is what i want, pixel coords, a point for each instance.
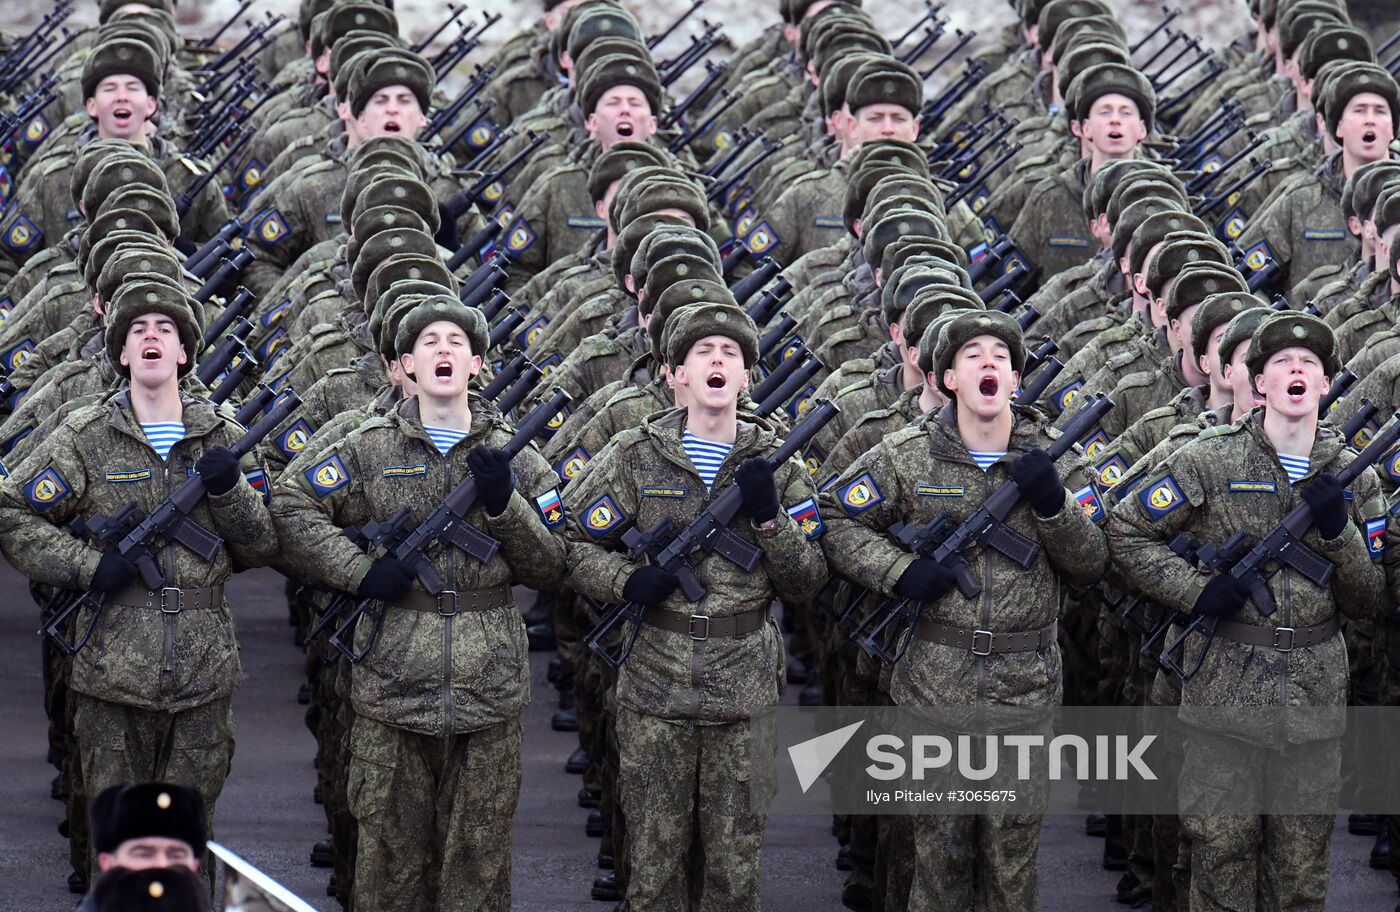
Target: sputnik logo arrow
{"type": "Point", "coordinates": [811, 758]}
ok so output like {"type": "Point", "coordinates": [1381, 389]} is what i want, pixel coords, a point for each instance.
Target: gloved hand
{"type": "Point", "coordinates": [649, 585]}
{"type": "Point", "coordinates": [1329, 504]}
{"type": "Point", "coordinates": [759, 493]}
{"type": "Point", "coordinates": [491, 468]}
{"type": "Point", "coordinates": [113, 574]}
{"type": "Point", "coordinates": [388, 580]}
{"type": "Point", "coordinates": [1034, 473]}
{"type": "Point", "coordinates": [1223, 596]}
{"type": "Point", "coordinates": [447, 236]}
{"type": "Point", "coordinates": [925, 580]}
{"type": "Point", "coordinates": [219, 469]}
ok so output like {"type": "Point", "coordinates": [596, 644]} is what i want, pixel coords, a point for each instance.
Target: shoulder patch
{"type": "Point", "coordinates": [1161, 497]}
{"type": "Point", "coordinates": [521, 237]}
{"type": "Point", "coordinates": [46, 489]}
{"type": "Point", "coordinates": [551, 507]}
{"type": "Point", "coordinates": [273, 227]}
{"type": "Point", "coordinates": [1088, 500]}
{"type": "Point", "coordinates": [1375, 536]}
{"type": "Point", "coordinates": [1233, 224]}
{"type": "Point", "coordinates": [572, 464]}
{"type": "Point", "coordinates": [16, 354]}
{"type": "Point", "coordinates": [762, 239]}
{"type": "Point", "coordinates": [601, 516]}
{"type": "Point", "coordinates": [527, 336]}
{"type": "Point", "coordinates": [293, 440]}
{"type": "Point", "coordinates": [22, 234]}
{"type": "Point", "coordinates": [860, 494]}
{"type": "Point", "coordinates": [327, 475]}
{"type": "Point", "coordinates": [251, 175]}
{"type": "Point", "coordinates": [807, 517]}
{"type": "Point", "coordinates": [257, 480]}
{"type": "Point", "coordinates": [1256, 256]}
{"type": "Point", "coordinates": [1095, 443]}
{"type": "Point", "coordinates": [36, 130]}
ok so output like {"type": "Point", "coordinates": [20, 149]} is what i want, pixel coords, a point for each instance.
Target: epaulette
{"type": "Point", "coordinates": [1137, 380]}
{"type": "Point", "coordinates": [50, 164]}
{"type": "Point", "coordinates": [1220, 430]}
{"type": "Point", "coordinates": [195, 167]}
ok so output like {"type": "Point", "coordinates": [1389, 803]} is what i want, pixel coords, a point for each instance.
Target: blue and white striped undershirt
{"type": "Point", "coordinates": [705, 455]}
{"type": "Point", "coordinates": [1295, 466]}
{"type": "Point", "coordinates": [985, 458]}
{"type": "Point", "coordinates": [444, 438]}
{"type": "Point", "coordinates": [162, 435]}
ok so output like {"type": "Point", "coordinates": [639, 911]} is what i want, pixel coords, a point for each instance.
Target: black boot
{"type": "Point", "coordinates": [594, 828]}
{"type": "Point", "coordinates": [1096, 825]}
{"type": "Point", "coordinates": [77, 883]}
{"type": "Point", "coordinates": [1364, 824]}
{"type": "Point", "coordinates": [304, 694]}
{"type": "Point", "coordinates": [1380, 852]}
{"type": "Point", "coordinates": [797, 671]}
{"type": "Point", "coordinates": [588, 798]}
{"type": "Point", "coordinates": [56, 788]}
{"type": "Point", "coordinates": [1114, 857]}
{"type": "Point", "coordinates": [812, 694]}
{"type": "Point", "coordinates": [577, 764]}
{"type": "Point", "coordinates": [565, 720]}
{"type": "Point", "coordinates": [605, 888]}
{"type": "Point", "coordinates": [605, 861]}
{"type": "Point", "coordinates": [541, 637]}
{"type": "Point", "coordinates": [321, 854]}
{"type": "Point", "coordinates": [843, 859]}
{"type": "Point", "coordinates": [555, 670]}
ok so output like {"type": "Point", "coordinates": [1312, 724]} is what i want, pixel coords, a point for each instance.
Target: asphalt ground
{"type": "Point", "coordinates": [267, 815]}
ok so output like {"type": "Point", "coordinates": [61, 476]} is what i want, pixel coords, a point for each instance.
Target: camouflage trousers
{"type": "Point", "coordinates": [1250, 861]}
{"type": "Point", "coordinates": [689, 788]}
{"type": "Point", "coordinates": [119, 744]}
{"type": "Point", "coordinates": [434, 817]}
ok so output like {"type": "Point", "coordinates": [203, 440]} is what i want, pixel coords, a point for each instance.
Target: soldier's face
{"type": "Point", "coordinates": [712, 373]}
{"type": "Point", "coordinates": [1237, 376]}
{"type": "Point", "coordinates": [442, 363]}
{"type": "Point", "coordinates": [1113, 127]}
{"type": "Point", "coordinates": [1209, 360]}
{"type": "Point", "coordinates": [882, 121]}
{"type": "Point", "coordinates": [1293, 382]}
{"type": "Point", "coordinates": [1366, 129]}
{"type": "Point", "coordinates": [121, 106]}
{"type": "Point", "coordinates": [1181, 341]}
{"type": "Point", "coordinates": [152, 350]}
{"type": "Point", "coordinates": [149, 852]}
{"type": "Point", "coordinates": [392, 111]}
{"type": "Point", "coordinates": [623, 113]}
{"type": "Point", "coordinates": [981, 376]}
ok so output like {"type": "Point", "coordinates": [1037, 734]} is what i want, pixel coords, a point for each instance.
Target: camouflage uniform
{"type": "Point", "coordinates": [1188, 493]}
{"type": "Point", "coordinates": [153, 689]}
{"type": "Point", "coordinates": [962, 861]}
{"type": "Point", "coordinates": [435, 749]}
{"type": "Point", "coordinates": [689, 750]}
{"type": "Point", "coordinates": [1052, 230]}
{"type": "Point", "coordinates": [1303, 228]}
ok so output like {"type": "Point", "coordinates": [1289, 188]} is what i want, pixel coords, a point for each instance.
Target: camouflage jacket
{"type": "Point", "coordinates": [878, 389]}
{"type": "Point", "coordinates": [1303, 228]}
{"type": "Point", "coordinates": [643, 477]}
{"type": "Point", "coordinates": [429, 673]}
{"type": "Point", "coordinates": [341, 389]}
{"type": "Point", "coordinates": [1361, 288]}
{"type": "Point", "coordinates": [868, 430]}
{"type": "Point", "coordinates": [805, 217]}
{"type": "Point", "coordinates": [1111, 461]}
{"type": "Point", "coordinates": [921, 471]}
{"type": "Point", "coordinates": [96, 463]}
{"type": "Point", "coordinates": [1229, 479]}
{"type": "Point", "coordinates": [1052, 230]}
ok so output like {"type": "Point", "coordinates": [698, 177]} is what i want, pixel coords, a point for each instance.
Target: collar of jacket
{"type": "Point", "coordinates": [409, 420]}
{"type": "Point", "coordinates": [1326, 445]}
{"type": "Point", "coordinates": [752, 436]}
{"type": "Point", "coordinates": [197, 413]}
{"type": "Point", "coordinates": [1329, 174]}
{"type": "Point", "coordinates": [1029, 429]}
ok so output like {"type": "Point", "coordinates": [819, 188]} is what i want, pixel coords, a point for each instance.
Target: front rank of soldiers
{"type": "Point", "coordinates": [288, 301]}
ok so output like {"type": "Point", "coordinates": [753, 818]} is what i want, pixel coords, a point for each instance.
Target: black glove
{"type": "Point", "coordinates": [1223, 596]}
{"type": "Point", "coordinates": [447, 236]}
{"type": "Point", "coordinates": [219, 469]}
{"type": "Point", "coordinates": [491, 469]}
{"type": "Point", "coordinates": [925, 580]}
{"type": "Point", "coordinates": [113, 574]}
{"type": "Point", "coordinates": [1034, 473]}
{"type": "Point", "coordinates": [388, 580]}
{"type": "Point", "coordinates": [1329, 504]}
{"type": "Point", "coordinates": [649, 585]}
{"type": "Point", "coordinates": [756, 487]}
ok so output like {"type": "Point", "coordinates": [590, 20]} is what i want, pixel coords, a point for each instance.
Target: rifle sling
{"type": "Point", "coordinates": [985, 642]}
{"type": "Point", "coordinates": [452, 601]}
{"type": "Point", "coordinates": [171, 599]}
{"type": "Point", "coordinates": [703, 627]}
{"type": "Point", "coordinates": [1281, 638]}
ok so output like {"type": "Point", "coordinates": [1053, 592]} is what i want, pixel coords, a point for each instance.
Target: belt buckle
{"type": "Point", "coordinates": [456, 603]}
{"type": "Point", "coordinates": [702, 636]}
{"type": "Point", "coordinates": [987, 635]}
{"type": "Point", "coordinates": [164, 591]}
{"type": "Point", "coordinates": [1292, 634]}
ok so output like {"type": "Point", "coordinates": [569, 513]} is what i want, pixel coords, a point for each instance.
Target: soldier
{"type": "Point", "coordinates": [435, 747]}
{"type": "Point", "coordinates": [150, 825]}
{"type": "Point", "coordinates": [1245, 476]}
{"type": "Point", "coordinates": [689, 741]}
{"type": "Point", "coordinates": [964, 447]}
{"type": "Point", "coordinates": [155, 890]}
{"type": "Point", "coordinates": [153, 687]}
{"type": "Point", "coordinates": [1304, 227]}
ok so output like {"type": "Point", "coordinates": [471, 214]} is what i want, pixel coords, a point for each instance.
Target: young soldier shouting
{"type": "Point", "coordinates": [999, 648]}
{"type": "Point", "coordinates": [435, 748]}
{"type": "Point", "coordinates": [1247, 476]}
{"type": "Point", "coordinates": [699, 671]}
